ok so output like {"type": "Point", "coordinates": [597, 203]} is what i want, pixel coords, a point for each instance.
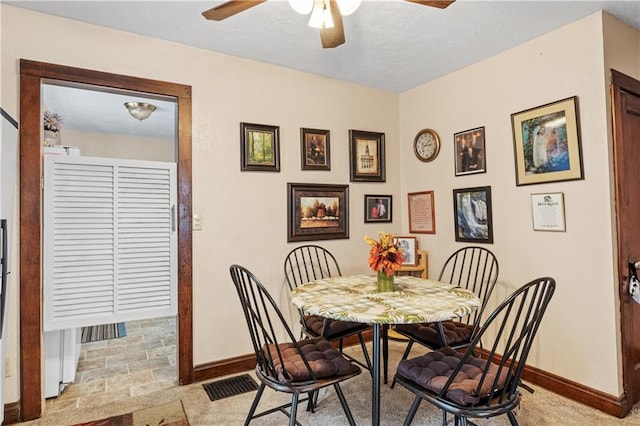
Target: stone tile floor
{"type": "Point", "coordinates": [143, 361]}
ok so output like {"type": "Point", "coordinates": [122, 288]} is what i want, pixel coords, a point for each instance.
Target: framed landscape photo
{"type": "Point", "coordinates": [317, 212]}
{"type": "Point", "coordinates": [422, 216]}
{"type": "Point", "coordinates": [409, 246]}
{"type": "Point", "coordinates": [470, 152]}
{"type": "Point", "coordinates": [315, 149]}
{"type": "Point", "coordinates": [547, 211]}
{"type": "Point", "coordinates": [260, 148]}
{"type": "Point", "coordinates": [546, 142]}
{"type": "Point", "coordinates": [366, 154]}
{"type": "Point", "coordinates": [473, 220]}
{"type": "Point", "coordinates": [378, 208]}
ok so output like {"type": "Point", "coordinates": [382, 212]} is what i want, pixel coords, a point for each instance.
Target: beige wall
{"type": "Point", "coordinates": [244, 214]}
{"type": "Point", "coordinates": [120, 146]}
{"type": "Point", "coordinates": [564, 63]}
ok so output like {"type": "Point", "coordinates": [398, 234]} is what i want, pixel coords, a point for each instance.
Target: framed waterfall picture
{"type": "Point", "coordinates": [546, 142]}
{"type": "Point", "coordinates": [473, 219]}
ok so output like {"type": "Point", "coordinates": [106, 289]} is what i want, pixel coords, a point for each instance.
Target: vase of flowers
{"type": "Point", "coordinates": [52, 127]}
{"type": "Point", "coordinates": [385, 258]}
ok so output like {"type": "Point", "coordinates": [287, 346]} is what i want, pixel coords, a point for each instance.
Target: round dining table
{"type": "Point", "coordinates": [356, 298]}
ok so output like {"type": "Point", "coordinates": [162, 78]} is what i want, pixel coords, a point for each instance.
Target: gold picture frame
{"type": "Point", "coordinates": [546, 143]}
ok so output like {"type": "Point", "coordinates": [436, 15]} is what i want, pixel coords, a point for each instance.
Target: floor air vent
{"type": "Point", "coordinates": [230, 387]}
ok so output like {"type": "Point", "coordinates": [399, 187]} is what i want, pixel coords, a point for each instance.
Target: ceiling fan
{"type": "Point", "coordinates": [325, 14]}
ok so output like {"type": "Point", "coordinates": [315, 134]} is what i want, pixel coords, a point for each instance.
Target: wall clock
{"type": "Point", "coordinates": [426, 145]}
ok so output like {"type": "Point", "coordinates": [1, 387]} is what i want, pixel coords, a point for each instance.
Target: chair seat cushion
{"type": "Point", "coordinates": [457, 333]}
{"type": "Point", "coordinates": [432, 371]}
{"type": "Point", "coordinates": [337, 329]}
{"type": "Point", "coordinates": [325, 361]}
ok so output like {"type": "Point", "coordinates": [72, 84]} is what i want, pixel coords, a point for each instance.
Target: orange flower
{"type": "Point", "coordinates": [385, 255]}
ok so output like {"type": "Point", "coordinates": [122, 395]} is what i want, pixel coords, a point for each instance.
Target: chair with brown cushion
{"type": "Point", "coordinates": [481, 383]}
{"type": "Point", "coordinates": [472, 268]}
{"type": "Point", "coordinates": [291, 366]}
{"type": "Point", "coordinates": [310, 263]}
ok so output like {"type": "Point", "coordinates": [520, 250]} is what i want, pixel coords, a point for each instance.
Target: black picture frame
{"type": "Point", "coordinates": [546, 143]}
{"type": "Point", "coordinates": [259, 148]}
{"type": "Point", "coordinates": [473, 215]}
{"type": "Point", "coordinates": [470, 152]}
{"type": "Point", "coordinates": [367, 156]}
{"type": "Point", "coordinates": [317, 212]}
{"type": "Point", "coordinates": [372, 211]}
{"type": "Point", "coordinates": [315, 149]}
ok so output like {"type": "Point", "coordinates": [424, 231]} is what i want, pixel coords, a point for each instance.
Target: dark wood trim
{"type": "Point", "coordinates": [11, 413]}
{"type": "Point", "coordinates": [32, 75]}
{"type": "Point", "coordinates": [626, 83]}
{"type": "Point", "coordinates": [224, 367]}
{"type": "Point", "coordinates": [575, 391]}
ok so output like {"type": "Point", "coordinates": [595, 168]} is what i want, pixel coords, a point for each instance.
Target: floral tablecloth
{"type": "Point", "coordinates": [356, 298]}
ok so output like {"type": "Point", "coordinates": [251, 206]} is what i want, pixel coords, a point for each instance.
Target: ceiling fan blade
{"type": "Point", "coordinates": [230, 8]}
{"type": "Point", "coordinates": [334, 36]}
{"type": "Point", "coordinates": [440, 4]}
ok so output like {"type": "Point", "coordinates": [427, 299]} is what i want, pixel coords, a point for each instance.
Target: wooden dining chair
{"type": "Point", "coordinates": [472, 268]}
{"type": "Point", "coordinates": [484, 380]}
{"type": "Point", "coordinates": [292, 366]}
{"type": "Point", "coordinates": [310, 263]}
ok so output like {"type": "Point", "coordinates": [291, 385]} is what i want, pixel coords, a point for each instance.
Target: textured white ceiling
{"type": "Point", "coordinates": [392, 45]}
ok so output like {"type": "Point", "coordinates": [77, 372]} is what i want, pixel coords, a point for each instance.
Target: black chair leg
{"type": "Point", "coordinates": [344, 404]}
{"type": "Point", "coordinates": [512, 418]}
{"type": "Point", "coordinates": [311, 402]}
{"type": "Point", "coordinates": [404, 356]}
{"type": "Point", "coordinates": [365, 352]}
{"type": "Point", "coordinates": [256, 400]}
{"type": "Point", "coordinates": [412, 411]}
{"type": "Point", "coordinates": [294, 409]}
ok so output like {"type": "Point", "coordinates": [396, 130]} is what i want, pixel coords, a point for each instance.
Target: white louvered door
{"type": "Point", "coordinates": [110, 241]}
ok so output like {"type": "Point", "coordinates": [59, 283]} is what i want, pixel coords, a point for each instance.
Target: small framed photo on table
{"type": "Point", "coordinates": [548, 212]}
{"type": "Point", "coordinates": [377, 208]}
{"type": "Point", "coordinates": [409, 246]}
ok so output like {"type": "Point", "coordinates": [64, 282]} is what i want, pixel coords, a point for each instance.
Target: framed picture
{"type": "Point", "coordinates": [548, 212]}
{"type": "Point", "coordinates": [422, 217]}
{"type": "Point", "coordinates": [260, 148]}
{"type": "Point", "coordinates": [409, 246]}
{"type": "Point", "coordinates": [377, 208]}
{"type": "Point", "coordinates": [470, 152]}
{"type": "Point", "coordinates": [366, 152]}
{"type": "Point", "coordinates": [315, 149]}
{"type": "Point", "coordinates": [317, 212]}
{"type": "Point", "coordinates": [472, 207]}
{"type": "Point", "coordinates": [546, 142]}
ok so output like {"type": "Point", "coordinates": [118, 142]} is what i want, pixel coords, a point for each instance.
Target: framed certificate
{"type": "Point", "coordinates": [422, 218]}
{"type": "Point", "coordinates": [548, 212]}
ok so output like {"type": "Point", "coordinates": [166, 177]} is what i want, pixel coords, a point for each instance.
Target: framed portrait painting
{"type": "Point", "coordinates": [315, 149]}
{"type": "Point", "coordinates": [317, 212]}
{"type": "Point", "coordinates": [366, 152]}
{"type": "Point", "coordinates": [546, 143]}
{"type": "Point", "coordinates": [473, 219]}
{"type": "Point", "coordinates": [378, 208]}
{"type": "Point", "coordinates": [259, 147]}
{"type": "Point", "coordinates": [470, 152]}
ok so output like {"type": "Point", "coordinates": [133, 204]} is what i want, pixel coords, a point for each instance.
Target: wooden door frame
{"type": "Point", "coordinates": [32, 74]}
{"type": "Point", "coordinates": [622, 83]}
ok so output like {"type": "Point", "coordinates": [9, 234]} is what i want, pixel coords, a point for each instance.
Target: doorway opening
{"type": "Point", "coordinates": [32, 75]}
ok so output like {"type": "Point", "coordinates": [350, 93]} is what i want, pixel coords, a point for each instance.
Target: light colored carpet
{"type": "Point", "coordinates": [539, 409]}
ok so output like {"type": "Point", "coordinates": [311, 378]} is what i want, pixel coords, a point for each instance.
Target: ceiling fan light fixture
{"type": "Point", "coordinates": [303, 7]}
{"type": "Point", "coordinates": [321, 15]}
{"type": "Point", "coordinates": [347, 7]}
{"type": "Point", "coordinates": [139, 110]}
